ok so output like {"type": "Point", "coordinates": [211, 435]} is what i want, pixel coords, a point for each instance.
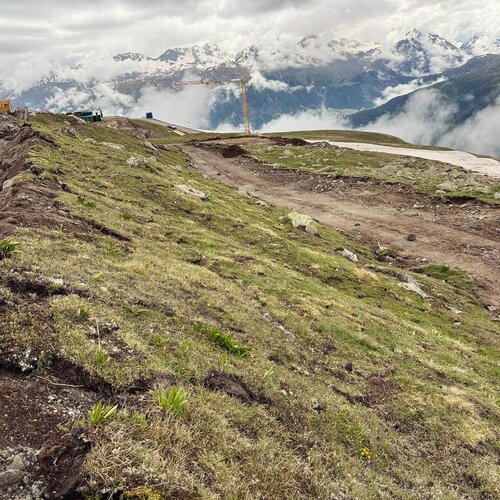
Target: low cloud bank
{"type": "Point", "coordinates": [426, 119]}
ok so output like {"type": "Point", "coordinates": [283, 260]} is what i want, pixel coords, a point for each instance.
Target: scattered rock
{"type": "Point", "coordinates": [327, 170]}
{"type": "Point", "coordinates": [148, 145]}
{"type": "Point", "coordinates": [21, 112]}
{"type": "Point", "coordinates": [262, 204]}
{"type": "Point", "coordinates": [13, 471]}
{"type": "Point", "coordinates": [176, 167]}
{"type": "Point", "coordinates": [163, 147]}
{"type": "Point", "coordinates": [323, 145]}
{"type": "Point", "coordinates": [447, 186]}
{"type": "Point", "coordinates": [276, 323]}
{"type": "Point", "coordinates": [134, 161]}
{"type": "Point", "coordinates": [89, 139]}
{"type": "Point", "coordinates": [304, 222]}
{"type": "Point", "coordinates": [191, 191]}
{"type": "Point", "coordinates": [413, 287]}
{"type": "Point", "coordinates": [112, 145]}
{"type": "Point", "coordinates": [349, 255]}
{"type": "Point", "coordinates": [70, 132]}
{"type": "Point", "coordinates": [412, 237]}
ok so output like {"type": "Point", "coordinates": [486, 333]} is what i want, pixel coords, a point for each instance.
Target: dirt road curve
{"type": "Point", "coordinates": [465, 236]}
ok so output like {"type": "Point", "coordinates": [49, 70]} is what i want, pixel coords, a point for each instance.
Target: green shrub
{"type": "Point", "coordinates": [174, 401]}
{"type": "Point", "coordinates": [101, 414]}
{"type": "Point", "coordinates": [8, 248]}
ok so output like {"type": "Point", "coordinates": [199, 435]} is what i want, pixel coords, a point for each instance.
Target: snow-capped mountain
{"type": "Point", "coordinates": [420, 54]}
{"type": "Point", "coordinates": [480, 45]}
{"type": "Point", "coordinates": [131, 56]}
{"type": "Point", "coordinates": [286, 74]}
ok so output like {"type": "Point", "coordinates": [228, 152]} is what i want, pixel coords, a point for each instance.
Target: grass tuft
{"type": "Point", "coordinates": [101, 414]}
{"type": "Point", "coordinates": [8, 248]}
{"type": "Point", "coordinates": [174, 401]}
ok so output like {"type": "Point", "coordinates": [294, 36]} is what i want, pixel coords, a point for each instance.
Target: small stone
{"type": "Point", "coordinates": [112, 145]}
{"type": "Point", "coordinates": [412, 287]}
{"type": "Point", "coordinates": [349, 255]}
{"type": "Point", "coordinates": [304, 222]}
{"type": "Point", "coordinates": [412, 237]}
{"type": "Point", "coordinates": [70, 132]}
{"type": "Point", "coordinates": [149, 146]}
{"type": "Point", "coordinates": [191, 191]}
{"type": "Point", "coordinates": [134, 161]}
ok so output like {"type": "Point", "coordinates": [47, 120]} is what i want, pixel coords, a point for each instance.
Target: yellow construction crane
{"type": "Point", "coordinates": [201, 81]}
{"type": "Point", "coordinates": [244, 100]}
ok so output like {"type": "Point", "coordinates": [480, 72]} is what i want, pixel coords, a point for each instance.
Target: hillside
{"type": "Point", "coordinates": [250, 353]}
{"type": "Point", "coordinates": [469, 89]}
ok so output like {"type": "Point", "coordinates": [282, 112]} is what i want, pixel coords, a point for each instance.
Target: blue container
{"type": "Point", "coordinates": [149, 116]}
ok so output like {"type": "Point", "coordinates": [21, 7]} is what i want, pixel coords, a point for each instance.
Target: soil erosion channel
{"type": "Point", "coordinates": [465, 236]}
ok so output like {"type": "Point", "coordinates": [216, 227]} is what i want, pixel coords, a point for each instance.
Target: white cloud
{"type": "Point", "coordinates": [260, 82]}
{"type": "Point", "coordinates": [318, 119]}
{"type": "Point", "coordinates": [405, 88]}
{"type": "Point", "coordinates": [480, 133]}
{"type": "Point", "coordinates": [426, 117]}
{"type": "Point", "coordinates": [423, 119]}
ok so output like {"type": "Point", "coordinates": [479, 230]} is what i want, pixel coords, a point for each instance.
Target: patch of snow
{"type": "Point", "coordinates": [468, 161]}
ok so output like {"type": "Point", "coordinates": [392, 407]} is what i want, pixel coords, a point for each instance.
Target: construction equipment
{"type": "Point", "coordinates": [5, 107]}
{"type": "Point", "coordinates": [244, 100]}
{"type": "Point", "coordinates": [88, 116]}
{"type": "Point", "coordinates": [201, 81]}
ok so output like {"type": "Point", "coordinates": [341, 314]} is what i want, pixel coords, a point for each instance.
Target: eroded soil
{"type": "Point", "coordinates": [461, 234]}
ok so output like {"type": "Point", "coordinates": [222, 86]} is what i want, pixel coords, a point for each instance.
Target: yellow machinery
{"type": "Point", "coordinates": [5, 107]}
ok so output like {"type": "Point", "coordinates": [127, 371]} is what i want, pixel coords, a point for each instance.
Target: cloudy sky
{"type": "Point", "coordinates": [59, 30]}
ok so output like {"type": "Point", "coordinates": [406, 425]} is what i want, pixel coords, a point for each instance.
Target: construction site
{"type": "Point", "coordinates": [189, 314]}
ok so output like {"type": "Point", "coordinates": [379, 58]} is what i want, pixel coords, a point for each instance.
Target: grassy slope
{"type": "Point", "coordinates": [373, 392]}
{"type": "Point", "coordinates": [424, 175]}
{"type": "Point", "coordinates": [356, 136]}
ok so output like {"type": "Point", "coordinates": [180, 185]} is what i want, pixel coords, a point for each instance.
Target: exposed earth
{"type": "Point", "coordinates": [462, 234]}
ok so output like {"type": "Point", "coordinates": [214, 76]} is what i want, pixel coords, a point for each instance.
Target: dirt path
{"type": "Point", "coordinates": [468, 161]}
{"type": "Point", "coordinates": [464, 236]}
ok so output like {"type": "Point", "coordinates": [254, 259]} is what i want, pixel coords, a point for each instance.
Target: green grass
{"type": "Point", "coordinates": [369, 391]}
{"type": "Point", "coordinates": [101, 414]}
{"type": "Point", "coordinates": [8, 248]}
{"type": "Point", "coordinates": [355, 136]}
{"type": "Point", "coordinates": [423, 175]}
{"type": "Point", "coordinates": [174, 401]}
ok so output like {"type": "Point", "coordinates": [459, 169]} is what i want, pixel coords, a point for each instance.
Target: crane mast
{"type": "Point", "coordinates": [201, 81]}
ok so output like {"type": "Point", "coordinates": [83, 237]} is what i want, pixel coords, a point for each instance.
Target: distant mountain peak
{"type": "Point", "coordinates": [131, 56]}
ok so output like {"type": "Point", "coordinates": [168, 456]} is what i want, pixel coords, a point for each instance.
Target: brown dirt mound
{"type": "Point", "coordinates": [233, 151]}
{"type": "Point", "coordinates": [230, 384]}
{"type": "Point", "coordinates": [292, 141]}
{"type": "Point", "coordinates": [62, 463]}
